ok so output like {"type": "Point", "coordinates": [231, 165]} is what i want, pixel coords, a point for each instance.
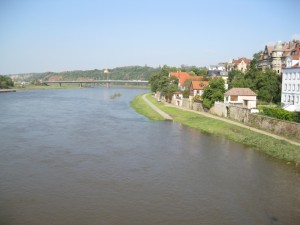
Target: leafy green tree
{"type": "Point", "coordinates": [6, 82]}
{"type": "Point", "coordinates": [163, 83]}
{"type": "Point", "coordinates": [187, 84]}
{"type": "Point", "coordinates": [256, 55]}
{"type": "Point", "coordinates": [268, 86]}
{"type": "Point", "coordinates": [213, 92]}
{"type": "Point", "coordinates": [266, 83]}
{"type": "Point", "coordinates": [234, 78]}
{"type": "Point", "coordinates": [202, 72]}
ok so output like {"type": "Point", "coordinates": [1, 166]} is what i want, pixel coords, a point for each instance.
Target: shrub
{"type": "Point", "coordinates": [197, 98]}
{"type": "Point", "coordinates": [280, 113]}
{"type": "Point", "coordinates": [207, 103]}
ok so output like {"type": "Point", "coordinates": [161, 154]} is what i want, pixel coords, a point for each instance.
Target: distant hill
{"type": "Point", "coordinates": [119, 73]}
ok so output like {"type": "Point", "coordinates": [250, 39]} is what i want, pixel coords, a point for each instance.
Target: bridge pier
{"type": "Point", "coordinates": [80, 85]}
{"type": "Point", "coordinates": [59, 84]}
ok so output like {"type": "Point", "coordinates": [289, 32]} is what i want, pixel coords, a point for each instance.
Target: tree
{"type": "Point", "coordinates": [213, 92]}
{"type": "Point", "coordinates": [266, 83]}
{"type": "Point", "coordinates": [256, 55]}
{"type": "Point", "coordinates": [268, 86]}
{"type": "Point", "coordinates": [6, 82]}
{"type": "Point", "coordinates": [234, 77]}
{"type": "Point", "coordinates": [163, 83]}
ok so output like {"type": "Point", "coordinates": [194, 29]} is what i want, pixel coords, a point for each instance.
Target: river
{"type": "Point", "coordinates": [79, 157]}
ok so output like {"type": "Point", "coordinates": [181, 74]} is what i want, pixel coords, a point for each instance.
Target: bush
{"type": "Point", "coordinates": [207, 103]}
{"type": "Point", "coordinates": [197, 98]}
{"type": "Point", "coordinates": [280, 113]}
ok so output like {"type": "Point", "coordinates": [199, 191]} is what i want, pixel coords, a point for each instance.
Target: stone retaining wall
{"type": "Point", "coordinates": [244, 115]}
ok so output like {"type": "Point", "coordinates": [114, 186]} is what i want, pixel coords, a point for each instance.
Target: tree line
{"type": "Point", "coordinates": [119, 73]}
{"type": "Point", "coordinates": [6, 82]}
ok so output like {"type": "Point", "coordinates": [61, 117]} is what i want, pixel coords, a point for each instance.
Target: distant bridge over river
{"type": "Point", "coordinates": [94, 82]}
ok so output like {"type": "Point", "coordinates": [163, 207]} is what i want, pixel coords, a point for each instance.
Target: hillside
{"type": "Point", "coordinates": [119, 73]}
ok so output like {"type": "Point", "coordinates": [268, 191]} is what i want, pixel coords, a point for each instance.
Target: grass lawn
{"type": "Point", "coordinates": [276, 148]}
{"type": "Point", "coordinates": [143, 108]}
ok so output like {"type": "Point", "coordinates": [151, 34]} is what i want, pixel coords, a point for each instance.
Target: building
{"type": "Point", "coordinates": [290, 91]}
{"type": "Point", "coordinates": [197, 87]}
{"type": "Point", "coordinates": [240, 64]}
{"type": "Point", "coordinates": [177, 98]}
{"type": "Point", "coordinates": [274, 57]}
{"type": "Point", "coordinates": [182, 77]}
{"type": "Point", "coordinates": [244, 97]}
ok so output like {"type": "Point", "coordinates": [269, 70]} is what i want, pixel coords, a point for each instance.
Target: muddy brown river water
{"type": "Point", "coordinates": [78, 157]}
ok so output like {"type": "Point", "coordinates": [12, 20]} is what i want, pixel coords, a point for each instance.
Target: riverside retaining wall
{"type": "Point", "coordinates": [244, 115]}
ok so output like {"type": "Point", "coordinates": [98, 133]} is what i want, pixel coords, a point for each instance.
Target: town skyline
{"type": "Point", "coordinates": [75, 35]}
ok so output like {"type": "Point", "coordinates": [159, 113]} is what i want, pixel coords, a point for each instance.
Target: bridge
{"type": "Point", "coordinates": [107, 82]}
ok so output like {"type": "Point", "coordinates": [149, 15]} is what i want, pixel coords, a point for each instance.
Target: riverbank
{"type": "Point", "coordinates": [276, 148]}
{"type": "Point", "coordinates": [46, 87]}
{"type": "Point", "coordinates": [7, 90]}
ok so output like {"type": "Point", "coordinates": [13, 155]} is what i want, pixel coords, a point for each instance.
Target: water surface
{"type": "Point", "coordinates": [79, 157]}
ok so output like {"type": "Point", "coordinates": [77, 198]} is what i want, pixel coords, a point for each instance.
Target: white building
{"type": "Point", "coordinates": [244, 97]}
{"type": "Point", "coordinates": [290, 94]}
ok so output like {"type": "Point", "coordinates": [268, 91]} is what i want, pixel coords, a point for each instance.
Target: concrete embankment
{"type": "Point", "coordinates": [163, 114]}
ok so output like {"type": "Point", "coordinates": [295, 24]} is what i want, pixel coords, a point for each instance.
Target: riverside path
{"type": "Point", "coordinates": [227, 121]}
{"type": "Point", "coordinates": [163, 114]}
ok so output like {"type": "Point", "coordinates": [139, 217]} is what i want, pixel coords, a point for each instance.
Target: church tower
{"type": "Point", "coordinates": [276, 57]}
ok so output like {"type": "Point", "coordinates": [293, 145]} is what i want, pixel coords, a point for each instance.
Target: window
{"type": "Point", "coordinates": [289, 87]}
{"type": "Point", "coordinates": [294, 76]}
{"type": "Point", "coordinates": [289, 76]}
{"type": "Point", "coordinates": [285, 87]}
{"type": "Point", "coordinates": [298, 76]}
{"type": "Point", "coordinates": [234, 97]}
{"type": "Point", "coordinates": [298, 87]}
{"type": "Point", "coordinates": [293, 87]}
{"type": "Point", "coordinates": [285, 76]}
{"type": "Point", "coordinates": [284, 98]}
{"type": "Point", "coordinates": [297, 99]}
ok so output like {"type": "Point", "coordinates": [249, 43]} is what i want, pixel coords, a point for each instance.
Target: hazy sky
{"type": "Point", "coordinates": [60, 35]}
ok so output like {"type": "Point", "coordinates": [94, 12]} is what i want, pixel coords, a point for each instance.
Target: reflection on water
{"type": "Point", "coordinates": [79, 157]}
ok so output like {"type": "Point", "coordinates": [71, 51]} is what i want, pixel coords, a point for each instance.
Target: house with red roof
{"type": "Point", "coordinates": [182, 77]}
{"type": "Point", "coordinates": [244, 97]}
{"type": "Point", "coordinates": [197, 87]}
{"type": "Point", "coordinates": [240, 64]}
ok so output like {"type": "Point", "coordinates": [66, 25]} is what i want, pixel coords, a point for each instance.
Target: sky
{"type": "Point", "coordinates": [65, 35]}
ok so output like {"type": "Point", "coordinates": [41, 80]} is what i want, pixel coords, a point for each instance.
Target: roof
{"type": "Point", "coordinates": [182, 76]}
{"type": "Point", "coordinates": [240, 92]}
{"type": "Point", "coordinates": [199, 85]}
{"type": "Point", "coordinates": [238, 61]}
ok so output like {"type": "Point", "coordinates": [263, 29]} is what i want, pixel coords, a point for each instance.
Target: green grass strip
{"type": "Point", "coordinates": [274, 147]}
{"type": "Point", "coordinates": [143, 108]}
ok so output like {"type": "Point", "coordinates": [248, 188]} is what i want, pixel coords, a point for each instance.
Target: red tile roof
{"type": "Point", "coordinates": [238, 61]}
{"type": "Point", "coordinates": [199, 85]}
{"type": "Point", "coordinates": [240, 92]}
{"type": "Point", "coordinates": [182, 76]}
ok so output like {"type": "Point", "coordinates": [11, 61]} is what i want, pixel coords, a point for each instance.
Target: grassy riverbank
{"type": "Point", "coordinates": [276, 148]}
{"type": "Point", "coordinates": [143, 108]}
